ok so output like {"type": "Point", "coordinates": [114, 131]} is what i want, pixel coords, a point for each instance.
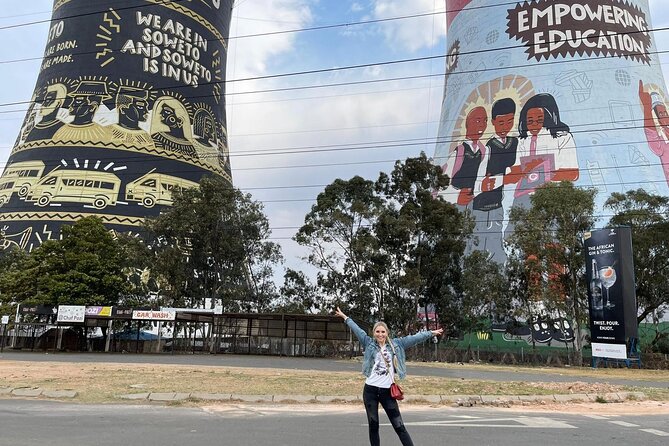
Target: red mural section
{"type": "Point", "coordinates": [453, 8]}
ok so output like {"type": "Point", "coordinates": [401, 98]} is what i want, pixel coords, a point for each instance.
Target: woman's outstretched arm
{"type": "Point", "coordinates": [357, 331]}
{"type": "Point", "coordinates": [410, 341]}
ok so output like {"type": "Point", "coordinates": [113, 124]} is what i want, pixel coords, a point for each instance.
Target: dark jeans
{"type": "Point", "coordinates": [372, 396]}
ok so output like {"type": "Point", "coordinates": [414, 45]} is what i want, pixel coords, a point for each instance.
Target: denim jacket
{"type": "Point", "coordinates": [371, 347]}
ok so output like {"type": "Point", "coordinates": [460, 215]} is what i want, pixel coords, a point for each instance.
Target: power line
{"type": "Point", "coordinates": [378, 145]}
{"type": "Point", "coordinates": [75, 16]}
{"type": "Point", "coordinates": [391, 62]}
{"type": "Point", "coordinates": [290, 31]}
{"type": "Point", "coordinates": [309, 186]}
{"type": "Point", "coordinates": [265, 34]}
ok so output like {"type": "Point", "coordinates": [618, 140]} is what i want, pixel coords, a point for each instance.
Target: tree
{"type": "Point", "coordinates": [421, 240]}
{"type": "Point", "coordinates": [338, 232]}
{"type": "Point", "coordinates": [548, 238]}
{"type": "Point", "coordinates": [212, 247]}
{"type": "Point", "coordinates": [142, 290]}
{"type": "Point", "coordinates": [485, 296]}
{"type": "Point", "coordinates": [297, 295]}
{"type": "Point", "coordinates": [13, 262]}
{"type": "Point", "coordinates": [85, 267]}
{"type": "Point", "coordinates": [648, 216]}
{"type": "Point", "coordinates": [386, 248]}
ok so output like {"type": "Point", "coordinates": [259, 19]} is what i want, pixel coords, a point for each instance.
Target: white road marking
{"type": "Point", "coordinates": [527, 422]}
{"type": "Point", "coordinates": [596, 417]}
{"type": "Point", "coordinates": [656, 432]}
{"type": "Point", "coordinates": [624, 423]}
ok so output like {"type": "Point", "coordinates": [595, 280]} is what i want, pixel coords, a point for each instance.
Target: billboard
{"type": "Point", "coordinates": [128, 107]}
{"type": "Point", "coordinates": [544, 91]}
{"type": "Point", "coordinates": [611, 291]}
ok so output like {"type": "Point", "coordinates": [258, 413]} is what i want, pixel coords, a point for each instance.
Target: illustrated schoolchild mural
{"type": "Point", "coordinates": [128, 106]}
{"type": "Point", "coordinates": [545, 91]}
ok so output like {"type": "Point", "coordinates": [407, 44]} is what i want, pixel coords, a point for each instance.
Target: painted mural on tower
{"type": "Point", "coordinates": [128, 107]}
{"type": "Point", "coordinates": [545, 91]}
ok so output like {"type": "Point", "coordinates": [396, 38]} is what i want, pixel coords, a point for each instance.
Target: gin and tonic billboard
{"type": "Point", "coordinates": [544, 91]}
{"type": "Point", "coordinates": [128, 107]}
{"type": "Point", "coordinates": [611, 291]}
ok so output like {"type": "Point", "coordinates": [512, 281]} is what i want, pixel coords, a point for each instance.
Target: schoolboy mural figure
{"type": "Point", "coordinates": [500, 156]}
{"type": "Point", "coordinates": [463, 163]}
{"type": "Point", "coordinates": [657, 136]}
{"type": "Point", "coordinates": [54, 97]}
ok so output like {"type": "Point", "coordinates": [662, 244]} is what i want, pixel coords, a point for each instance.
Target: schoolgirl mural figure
{"type": "Point", "coordinates": [463, 163]}
{"type": "Point", "coordinates": [546, 150]}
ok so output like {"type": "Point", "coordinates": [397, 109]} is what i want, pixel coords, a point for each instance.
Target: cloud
{"type": "Point", "coordinates": [250, 56]}
{"type": "Point", "coordinates": [660, 20]}
{"type": "Point", "coordinates": [357, 7]}
{"type": "Point", "coordinates": [415, 33]}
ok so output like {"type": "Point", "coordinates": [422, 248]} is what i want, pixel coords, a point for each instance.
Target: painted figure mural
{"type": "Point", "coordinates": [128, 106]}
{"type": "Point", "coordinates": [542, 91]}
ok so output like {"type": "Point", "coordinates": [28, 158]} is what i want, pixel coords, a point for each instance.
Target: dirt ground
{"type": "Point", "coordinates": [103, 383]}
{"type": "Point", "coordinates": [624, 408]}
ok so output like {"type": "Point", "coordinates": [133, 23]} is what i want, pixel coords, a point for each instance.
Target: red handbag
{"type": "Point", "coordinates": [396, 392]}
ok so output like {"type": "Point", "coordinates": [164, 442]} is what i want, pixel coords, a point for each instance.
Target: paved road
{"type": "Point", "coordinates": [39, 423]}
{"type": "Point", "coordinates": [319, 364]}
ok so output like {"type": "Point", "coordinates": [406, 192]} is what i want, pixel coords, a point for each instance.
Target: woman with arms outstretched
{"type": "Point", "coordinates": [383, 358]}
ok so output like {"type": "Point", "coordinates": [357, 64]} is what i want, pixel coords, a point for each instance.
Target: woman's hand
{"type": "Point", "coordinates": [340, 313]}
{"type": "Point", "coordinates": [438, 332]}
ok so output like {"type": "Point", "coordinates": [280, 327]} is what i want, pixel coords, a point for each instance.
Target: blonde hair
{"type": "Point", "coordinates": [381, 324]}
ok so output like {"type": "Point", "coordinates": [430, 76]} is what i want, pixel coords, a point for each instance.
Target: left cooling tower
{"type": "Point", "coordinates": [129, 106]}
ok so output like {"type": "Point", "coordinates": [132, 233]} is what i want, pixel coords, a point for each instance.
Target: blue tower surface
{"type": "Point", "coordinates": [545, 90]}
{"type": "Point", "coordinates": [129, 106]}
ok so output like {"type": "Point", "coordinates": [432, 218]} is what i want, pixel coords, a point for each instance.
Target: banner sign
{"type": "Point", "coordinates": [5, 320]}
{"type": "Point", "coordinates": [154, 315]}
{"type": "Point", "coordinates": [122, 313]}
{"type": "Point", "coordinates": [71, 313]}
{"type": "Point", "coordinates": [129, 106]}
{"type": "Point", "coordinates": [543, 91]}
{"type": "Point", "coordinates": [99, 311]}
{"type": "Point", "coordinates": [611, 291]}
{"type": "Point", "coordinates": [552, 29]}
{"type": "Point", "coordinates": [41, 310]}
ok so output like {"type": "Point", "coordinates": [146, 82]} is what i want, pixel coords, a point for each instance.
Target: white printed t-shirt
{"type": "Point", "coordinates": [381, 375]}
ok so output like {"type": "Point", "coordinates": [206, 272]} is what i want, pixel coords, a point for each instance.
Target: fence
{"type": "Point", "coordinates": [264, 334]}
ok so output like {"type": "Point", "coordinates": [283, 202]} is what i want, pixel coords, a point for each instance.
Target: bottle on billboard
{"type": "Point", "coordinates": [596, 288]}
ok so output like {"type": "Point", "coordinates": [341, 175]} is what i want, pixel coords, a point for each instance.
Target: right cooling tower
{"type": "Point", "coordinates": [548, 90]}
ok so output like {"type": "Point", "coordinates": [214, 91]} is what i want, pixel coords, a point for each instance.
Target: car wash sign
{"type": "Point", "coordinates": [153, 315]}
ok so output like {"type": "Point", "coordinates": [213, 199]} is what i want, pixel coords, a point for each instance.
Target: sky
{"type": "Point", "coordinates": [321, 121]}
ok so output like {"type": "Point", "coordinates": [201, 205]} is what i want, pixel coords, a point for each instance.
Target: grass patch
{"type": "Point", "coordinates": [103, 383]}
